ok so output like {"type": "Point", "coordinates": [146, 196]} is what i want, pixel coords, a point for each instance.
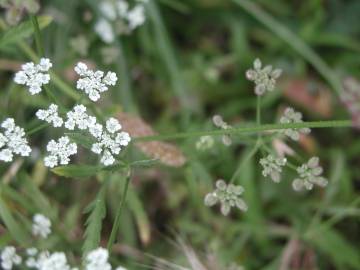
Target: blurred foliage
{"type": "Point", "coordinates": [184, 65]}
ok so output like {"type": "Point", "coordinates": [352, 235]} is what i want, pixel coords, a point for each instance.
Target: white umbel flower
{"type": "Point", "coordinates": [228, 195]}
{"type": "Point", "coordinates": [220, 123]}
{"type": "Point", "coordinates": [292, 116]}
{"type": "Point", "coordinates": [50, 115]}
{"type": "Point", "coordinates": [272, 167]}
{"type": "Point", "coordinates": [55, 261]}
{"type": "Point", "coordinates": [309, 175]}
{"type": "Point", "coordinates": [77, 118]}
{"type": "Point", "coordinates": [97, 260]}
{"type": "Point", "coordinates": [264, 78]}
{"type": "Point", "coordinates": [136, 16]}
{"type": "Point", "coordinates": [9, 258]}
{"type": "Point", "coordinates": [110, 141]}
{"type": "Point", "coordinates": [60, 152]}
{"type": "Point", "coordinates": [204, 143]}
{"type": "Point", "coordinates": [34, 76]}
{"type": "Point", "coordinates": [108, 9]}
{"type": "Point", "coordinates": [12, 141]}
{"type": "Point", "coordinates": [94, 82]}
{"type": "Point", "coordinates": [41, 226]}
{"type": "Point", "coordinates": [105, 31]}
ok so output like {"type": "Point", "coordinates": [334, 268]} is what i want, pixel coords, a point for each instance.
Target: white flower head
{"type": "Point", "coordinates": [97, 260]}
{"type": "Point", "coordinates": [12, 141]}
{"type": "Point", "coordinates": [120, 268]}
{"type": "Point", "coordinates": [54, 261]}
{"type": "Point", "coordinates": [60, 152]}
{"type": "Point", "coordinates": [113, 125]}
{"type": "Point", "coordinates": [220, 123]}
{"type": "Point", "coordinates": [94, 82]}
{"type": "Point", "coordinates": [309, 175]}
{"type": "Point", "coordinates": [9, 258]}
{"type": "Point", "coordinates": [228, 195]}
{"type": "Point", "coordinates": [105, 31]}
{"type": "Point", "coordinates": [264, 78]}
{"type": "Point", "coordinates": [109, 141]}
{"type": "Point", "coordinates": [272, 167]}
{"type": "Point", "coordinates": [41, 226]}
{"type": "Point", "coordinates": [136, 16]}
{"type": "Point", "coordinates": [50, 115]}
{"type": "Point", "coordinates": [34, 76]}
{"type": "Point", "coordinates": [108, 9]}
{"type": "Point", "coordinates": [204, 143]}
{"type": "Point", "coordinates": [77, 118]}
{"type": "Point", "coordinates": [292, 116]}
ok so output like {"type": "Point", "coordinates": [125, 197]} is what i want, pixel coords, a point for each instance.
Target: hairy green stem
{"type": "Point", "coordinates": [116, 224]}
{"type": "Point", "coordinates": [248, 129]}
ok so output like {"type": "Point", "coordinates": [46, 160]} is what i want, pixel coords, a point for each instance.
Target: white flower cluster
{"type": "Point", "coordinates": [204, 143]}
{"type": "Point", "coordinates": [12, 141]}
{"type": "Point", "coordinates": [94, 82]}
{"type": "Point", "coordinates": [264, 78]}
{"type": "Point", "coordinates": [227, 195]}
{"type": "Point", "coordinates": [77, 117]}
{"type": "Point", "coordinates": [34, 76]}
{"type": "Point", "coordinates": [272, 167]}
{"type": "Point", "coordinates": [54, 261]}
{"type": "Point", "coordinates": [9, 258]}
{"type": "Point", "coordinates": [98, 260]}
{"type": "Point", "coordinates": [220, 123]}
{"type": "Point", "coordinates": [120, 13]}
{"type": "Point", "coordinates": [41, 226]}
{"type": "Point", "coordinates": [59, 152]}
{"type": "Point", "coordinates": [50, 115]}
{"type": "Point", "coordinates": [292, 116]}
{"type": "Point", "coordinates": [109, 141]}
{"type": "Point", "coordinates": [309, 175]}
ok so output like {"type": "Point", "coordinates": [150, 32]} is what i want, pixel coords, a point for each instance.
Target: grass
{"type": "Point", "coordinates": [186, 64]}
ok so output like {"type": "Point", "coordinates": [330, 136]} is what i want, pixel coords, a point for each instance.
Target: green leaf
{"type": "Point", "coordinates": [22, 31]}
{"type": "Point", "coordinates": [77, 170]}
{"type": "Point", "coordinates": [14, 228]}
{"type": "Point", "coordinates": [37, 197]}
{"type": "Point", "coordinates": [97, 210]}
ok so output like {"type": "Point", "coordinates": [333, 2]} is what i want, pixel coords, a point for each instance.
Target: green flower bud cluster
{"type": "Point", "coordinates": [264, 78]}
{"type": "Point", "coordinates": [292, 116]}
{"type": "Point", "coordinates": [309, 175]}
{"type": "Point", "coordinates": [272, 166]}
{"type": "Point", "coordinates": [228, 195]}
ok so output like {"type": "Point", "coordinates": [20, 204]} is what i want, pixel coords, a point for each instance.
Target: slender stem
{"type": "Point", "coordinates": [36, 129]}
{"type": "Point", "coordinates": [246, 159]}
{"type": "Point", "coordinates": [248, 129]}
{"type": "Point", "coordinates": [116, 224]}
{"type": "Point", "coordinates": [38, 42]}
{"type": "Point", "coordinates": [258, 110]}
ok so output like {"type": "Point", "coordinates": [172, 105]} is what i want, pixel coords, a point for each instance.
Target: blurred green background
{"type": "Point", "coordinates": [184, 65]}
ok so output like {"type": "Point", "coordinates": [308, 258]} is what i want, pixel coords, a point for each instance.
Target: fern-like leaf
{"type": "Point", "coordinates": [97, 210]}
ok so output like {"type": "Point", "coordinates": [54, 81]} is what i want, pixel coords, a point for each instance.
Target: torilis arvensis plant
{"type": "Point", "coordinates": [106, 139]}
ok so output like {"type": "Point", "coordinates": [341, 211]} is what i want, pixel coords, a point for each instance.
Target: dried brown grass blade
{"type": "Point", "coordinates": [166, 153]}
